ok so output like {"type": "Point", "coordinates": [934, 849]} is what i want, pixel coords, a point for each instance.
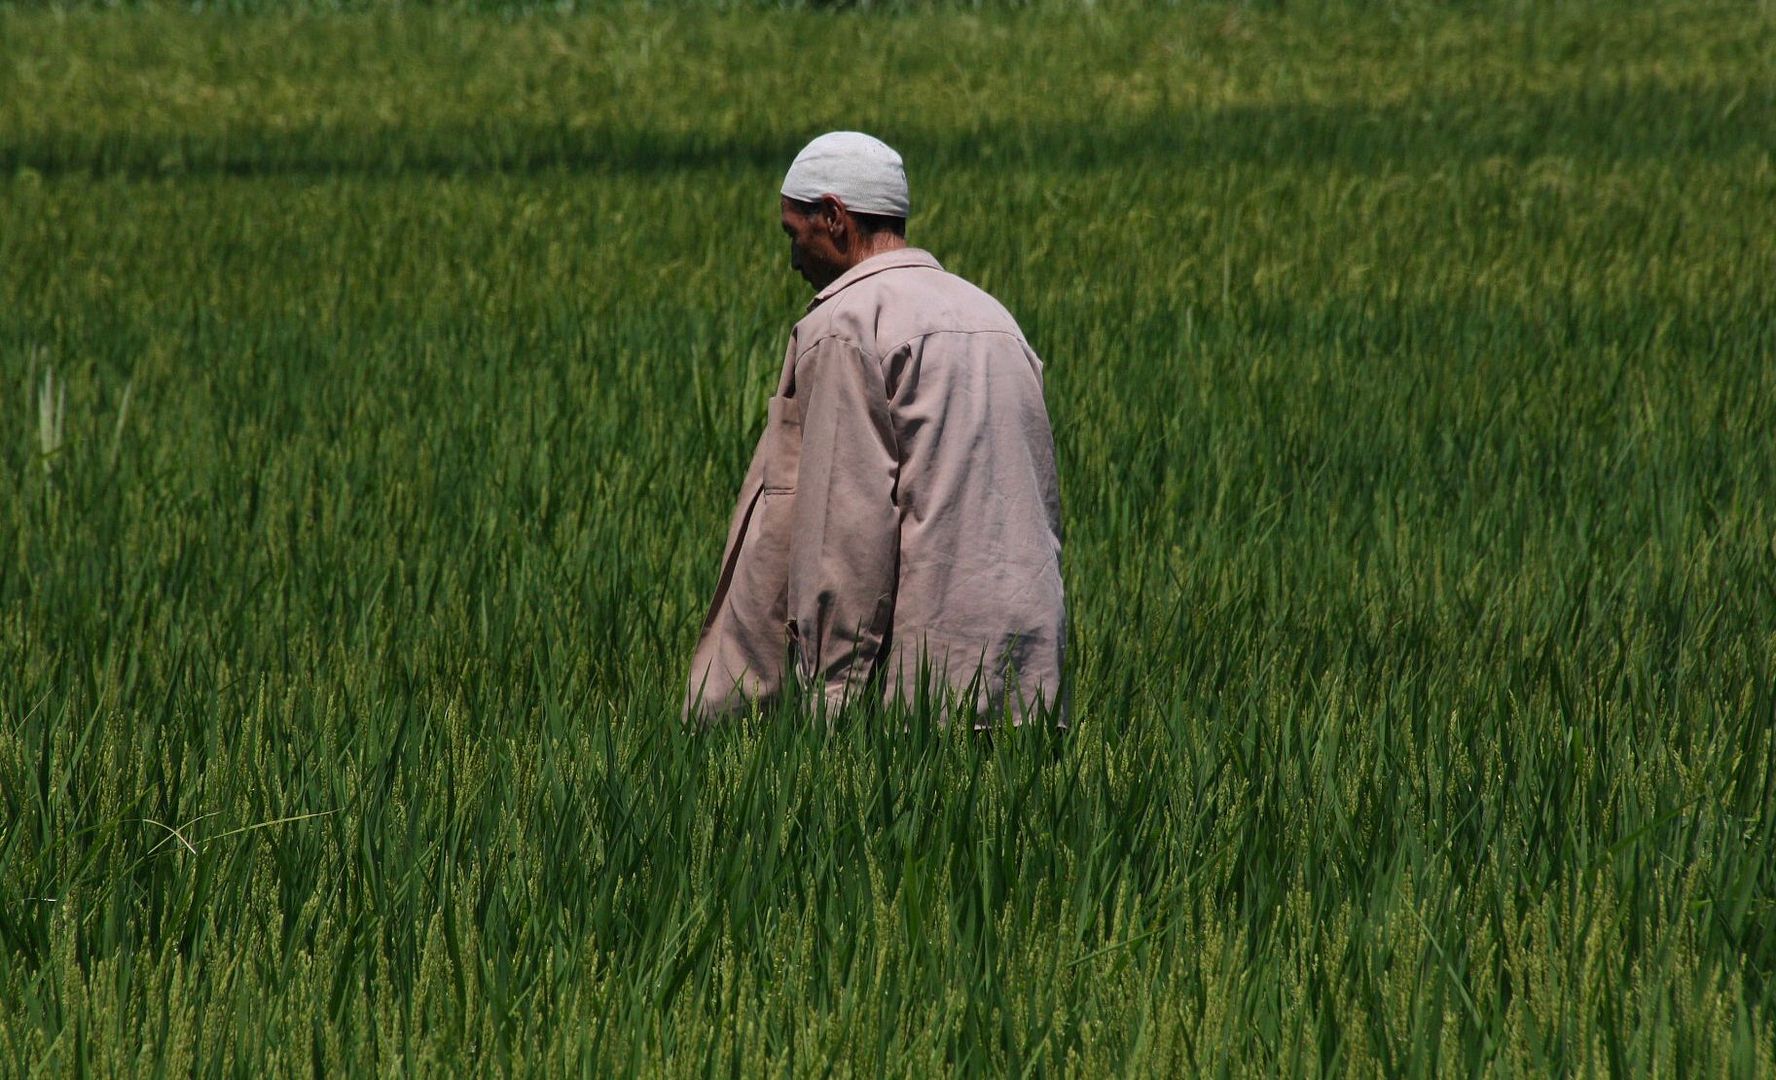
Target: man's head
{"type": "Point", "coordinates": [844, 200]}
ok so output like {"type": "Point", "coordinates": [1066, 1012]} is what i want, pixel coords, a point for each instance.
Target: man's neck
{"type": "Point", "coordinates": [879, 244]}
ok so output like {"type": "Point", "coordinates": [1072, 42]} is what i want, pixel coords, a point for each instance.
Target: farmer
{"type": "Point", "coordinates": [901, 521]}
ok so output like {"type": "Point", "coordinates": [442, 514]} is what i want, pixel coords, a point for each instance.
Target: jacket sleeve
{"type": "Point", "coordinates": [845, 532]}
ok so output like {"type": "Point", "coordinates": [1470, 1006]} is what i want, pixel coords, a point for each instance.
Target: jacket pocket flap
{"type": "Point", "coordinates": [783, 443]}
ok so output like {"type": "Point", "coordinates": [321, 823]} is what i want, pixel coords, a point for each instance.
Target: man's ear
{"type": "Point", "coordinates": [833, 212]}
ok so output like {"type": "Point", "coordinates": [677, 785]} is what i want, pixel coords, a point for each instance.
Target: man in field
{"type": "Point", "coordinates": [900, 523]}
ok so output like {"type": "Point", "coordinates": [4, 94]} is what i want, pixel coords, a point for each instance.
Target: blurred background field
{"type": "Point", "coordinates": [374, 386]}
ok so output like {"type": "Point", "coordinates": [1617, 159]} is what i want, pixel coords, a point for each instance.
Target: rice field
{"type": "Point", "coordinates": [375, 385]}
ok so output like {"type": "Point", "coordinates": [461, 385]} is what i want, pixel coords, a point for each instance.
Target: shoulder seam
{"type": "Point", "coordinates": [824, 338]}
{"type": "Point", "coordinates": [933, 333]}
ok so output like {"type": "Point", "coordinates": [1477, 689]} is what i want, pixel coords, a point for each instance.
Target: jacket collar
{"type": "Point", "coordinates": [875, 264]}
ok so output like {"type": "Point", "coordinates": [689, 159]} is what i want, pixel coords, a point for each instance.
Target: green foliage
{"type": "Point", "coordinates": [374, 388]}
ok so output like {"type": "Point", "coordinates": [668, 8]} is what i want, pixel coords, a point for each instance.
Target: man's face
{"type": "Point", "coordinates": [812, 252]}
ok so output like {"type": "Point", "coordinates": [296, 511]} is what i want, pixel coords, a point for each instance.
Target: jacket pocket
{"type": "Point", "coordinates": [783, 444]}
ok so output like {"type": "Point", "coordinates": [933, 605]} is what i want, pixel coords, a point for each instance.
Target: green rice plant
{"type": "Point", "coordinates": [380, 380]}
{"type": "Point", "coordinates": [52, 411]}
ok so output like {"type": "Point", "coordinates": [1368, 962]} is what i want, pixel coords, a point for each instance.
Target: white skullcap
{"type": "Point", "coordinates": [864, 172]}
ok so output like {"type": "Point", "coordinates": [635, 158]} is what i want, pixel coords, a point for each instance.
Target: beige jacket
{"type": "Point", "coordinates": [901, 515]}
